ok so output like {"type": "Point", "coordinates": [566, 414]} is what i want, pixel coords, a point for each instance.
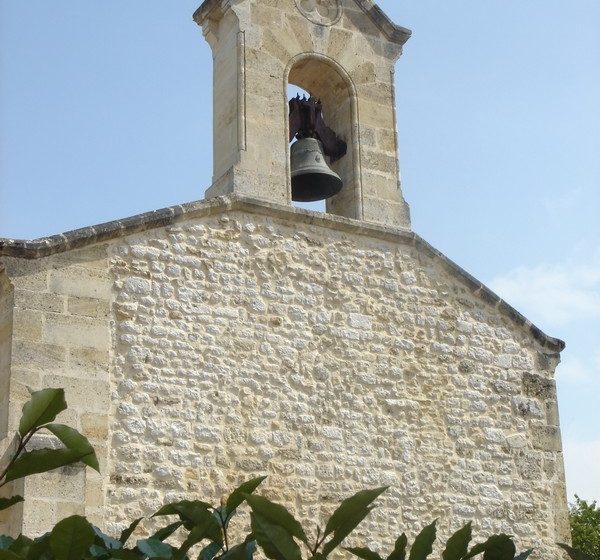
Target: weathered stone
{"type": "Point", "coordinates": [546, 438]}
{"type": "Point", "coordinates": [538, 387]}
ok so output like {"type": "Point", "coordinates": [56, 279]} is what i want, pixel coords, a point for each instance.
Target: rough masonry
{"type": "Point", "coordinates": [328, 354]}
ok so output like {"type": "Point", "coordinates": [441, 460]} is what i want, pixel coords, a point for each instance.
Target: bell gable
{"type": "Point", "coordinates": [344, 54]}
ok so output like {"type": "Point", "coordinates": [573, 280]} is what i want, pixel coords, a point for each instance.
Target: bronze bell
{"type": "Point", "coordinates": [312, 179]}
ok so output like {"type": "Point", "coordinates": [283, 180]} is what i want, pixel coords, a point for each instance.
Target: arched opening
{"type": "Point", "coordinates": [324, 79]}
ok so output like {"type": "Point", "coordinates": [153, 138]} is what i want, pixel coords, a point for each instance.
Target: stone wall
{"type": "Point", "coordinates": [8, 521]}
{"type": "Point", "coordinates": [62, 339]}
{"type": "Point", "coordinates": [245, 339]}
{"type": "Point", "coordinates": [6, 329]}
{"type": "Point", "coordinates": [330, 362]}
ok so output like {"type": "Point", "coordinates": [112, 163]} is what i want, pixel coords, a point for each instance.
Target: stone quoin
{"type": "Point", "coordinates": [204, 344]}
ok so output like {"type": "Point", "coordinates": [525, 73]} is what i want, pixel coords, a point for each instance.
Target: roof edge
{"type": "Point", "coordinates": [394, 33]}
{"type": "Point", "coordinates": [48, 246]}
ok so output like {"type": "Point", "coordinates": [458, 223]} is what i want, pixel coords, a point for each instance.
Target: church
{"type": "Point", "coordinates": [207, 343]}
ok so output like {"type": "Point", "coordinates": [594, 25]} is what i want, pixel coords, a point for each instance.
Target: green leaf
{"type": "Point", "coordinates": [172, 509]}
{"type": "Point", "coordinates": [458, 544]}
{"type": "Point", "coordinates": [277, 515]}
{"type": "Point", "coordinates": [476, 550]}
{"type": "Point", "coordinates": [21, 546]}
{"type": "Point", "coordinates": [500, 547]}
{"type": "Point", "coordinates": [7, 555]}
{"type": "Point", "coordinates": [350, 506]}
{"type": "Point", "coordinates": [399, 552]}
{"type": "Point", "coordinates": [423, 545]}
{"type": "Point", "coordinates": [155, 549]}
{"type": "Point", "coordinates": [209, 552]}
{"type": "Point", "coordinates": [42, 460]}
{"type": "Point", "coordinates": [166, 532]}
{"type": "Point", "coordinates": [5, 503]}
{"type": "Point", "coordinates": [108, 542]}
{"type": "Point", "coordinates": [129, 531]}
{"type": "Point", "coordinates": [125, 555]}
{"type": "Point", "coordinates": [575, 554]}
{"type": "Point", "coordinates": [364, 553]}
{"type": "Point", "coordinates": [43, 407]}
{"type": "Point", "coordinates": [236, 498]}
{"type": "Point", "coordinates": [71, 538]}
{"type": "Point", "coordinates": [40, 549]}
{"type": "Point", "coordinates": [343, 530]}
{"type": "Point", "coordinates": [275, 540]}
{"type": "Point", "coordinates": [98, 551]}
{"type": "Point", "coordinates": [203, 530]}
{"type": "Point", "coordinates": [73, 440]}
{"type": "Point", "coordinates": [524, 555]}
{"type": "Point", "coordinates": [244, 551]}
{"type": "Point", "coordinates": [6, 542]}
{"type": "Point", "coordinates": [196, 516]}
{"type": "Point", "coordinates": [251, 547]}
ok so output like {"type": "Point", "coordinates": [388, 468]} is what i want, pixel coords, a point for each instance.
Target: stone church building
{"type": "Point", "coordinates": [207, 343]}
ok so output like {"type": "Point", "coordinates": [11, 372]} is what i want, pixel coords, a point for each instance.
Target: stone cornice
{"type": "Point", "coordinates": [394, 33]}
{"type": "Point", "coordinates": [48, 246]}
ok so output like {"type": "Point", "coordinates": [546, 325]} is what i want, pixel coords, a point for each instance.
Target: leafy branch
{"type": "Point", "coordinates": [39, 414]}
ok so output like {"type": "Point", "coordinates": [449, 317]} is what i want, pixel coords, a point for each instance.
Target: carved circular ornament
{"type": "Point", "coordinates": [321, 12]}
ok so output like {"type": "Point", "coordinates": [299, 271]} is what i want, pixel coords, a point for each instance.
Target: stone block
{"type": "Point", "coordinates": [95, 426]}
{"type": "Point", "coordinates": [39, 517]}
{"type": "Point", "coordinates": [66, 484]}
{"type": "Point", "coordinates": [80, 282]}
{"type": "Point", "coordinates": [94, 492]}
{"type": "Point", "coordinates": [552, 414]}
{"type": "Point", "coordinates": [538, 387]}
{"type": "Point", "coordinates": [546, 438]}
{"type": "Point", "coordinates": [38, 356]}
{"type": "Point", "coordinates": [27, 274]}
{"type": "Point", "coordinates": [88, 307]}
{"type": "Point", "coordinates": [39, 301]}
{"type": "Point", "coordinates": [27, 325]}
{"type": "Point", "coordinates": [67, 509]}
{"type": "Point", "coordinates": [88, 362]}
{"type": "Point", "coordinates": [65, 330]}
{"type": "Point", "coordinates": [22, 381]}
{"type": "Point", "coordinates": [92, 256]}
{"type": "Point", "coordinates": [82, 394]}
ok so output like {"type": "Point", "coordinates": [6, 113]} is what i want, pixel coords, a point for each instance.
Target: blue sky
{"type": "Point", "coordinates": [105, 112]}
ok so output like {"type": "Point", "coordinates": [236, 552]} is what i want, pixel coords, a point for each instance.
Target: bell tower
{"type": "Point", "coordinates": [343, 52]}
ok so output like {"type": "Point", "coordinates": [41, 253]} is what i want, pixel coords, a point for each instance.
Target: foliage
{"type": "Point", "coordinates": [585, 530]}
{"type": "Point", "coordinates": [38, 414]}
{"type": "Point", "coordinates": [194, 523]}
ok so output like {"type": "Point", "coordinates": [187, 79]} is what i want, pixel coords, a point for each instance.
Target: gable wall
{"type": "Point", "coordinates": [330, 362]}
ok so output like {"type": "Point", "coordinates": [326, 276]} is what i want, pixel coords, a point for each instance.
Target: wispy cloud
{"type": "Point", "coordinates": [554, 295]}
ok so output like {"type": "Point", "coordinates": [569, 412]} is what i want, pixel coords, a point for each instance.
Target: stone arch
{"type": "Point", "coordinates": [324, 78]}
